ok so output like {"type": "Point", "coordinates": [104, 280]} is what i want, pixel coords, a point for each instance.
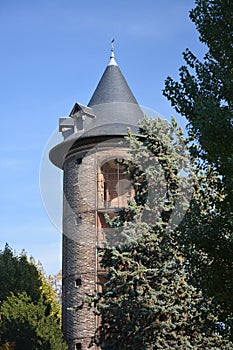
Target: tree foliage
{"type": "Point", "coordinates": [48, 293]}
{"type": "Point", "coordinates": [18, 275]}
{"type": "Point", "coordinates": [204, 95]}
{"type": "Point", "coordinates": [7, 346]}
{"type": "Point", "coordinates": [56, 282]}
{"type": "Point", "coordinates": [29, 324]}
{"type": "Point", "coordinates": [30, 316]}
{"type": "Point", "coordinates": [148, 300]}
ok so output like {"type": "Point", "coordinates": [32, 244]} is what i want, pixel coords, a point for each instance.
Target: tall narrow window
{"type": "Point", "coordinates": [78, 282]}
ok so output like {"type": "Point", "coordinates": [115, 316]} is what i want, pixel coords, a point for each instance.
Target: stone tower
{"type": "Point", "coordinates": [93, 184]}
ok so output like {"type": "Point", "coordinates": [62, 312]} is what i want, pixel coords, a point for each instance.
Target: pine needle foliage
{"type": "Point", "coordinates": [148, 301]}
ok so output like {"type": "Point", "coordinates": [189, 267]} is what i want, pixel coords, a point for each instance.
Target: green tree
{"type": "Point", "coordinates": [148, 301]}
{"type": "Point", "coordinates": [29, 324]}
{"type": "Point", "coordinates": [18, 275]}
{"type": "Point", "coordinates": [204, 95]}
{"type": "Point", "coordinates": [30, 315]}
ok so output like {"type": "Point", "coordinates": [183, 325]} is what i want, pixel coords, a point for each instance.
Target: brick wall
{"type": "Point", "coordinates": [80, 235]}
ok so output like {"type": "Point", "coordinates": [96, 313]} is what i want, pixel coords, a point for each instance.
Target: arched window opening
{"type": "Point", "coordinates": [114, 187]}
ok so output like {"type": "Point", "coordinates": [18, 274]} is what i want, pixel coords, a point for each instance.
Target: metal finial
{"type": "Point", "coordinates": [112, 57]}
{"type": "Point", "coordinates": [112, 45]}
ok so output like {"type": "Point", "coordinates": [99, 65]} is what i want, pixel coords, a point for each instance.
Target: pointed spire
{"type": "Point", "coordinates": [112, 86]}
{"type": "Point", "coordinates": [112, 61]}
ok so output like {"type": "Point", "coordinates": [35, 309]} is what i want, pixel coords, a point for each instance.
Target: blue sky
{"type": "Point", "coordinates": [53, 54]}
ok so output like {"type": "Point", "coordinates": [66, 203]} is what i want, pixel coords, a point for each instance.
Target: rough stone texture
{"type": "Point", "coordinates": [81, 232]}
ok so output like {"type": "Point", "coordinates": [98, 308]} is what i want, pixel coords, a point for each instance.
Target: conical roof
{"type": "Point", "coordinates": [113, 102]}
{"type": "Point", "coordinates": [111, 111]}
{"type": "Point", "coordinates": [112, 87]}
